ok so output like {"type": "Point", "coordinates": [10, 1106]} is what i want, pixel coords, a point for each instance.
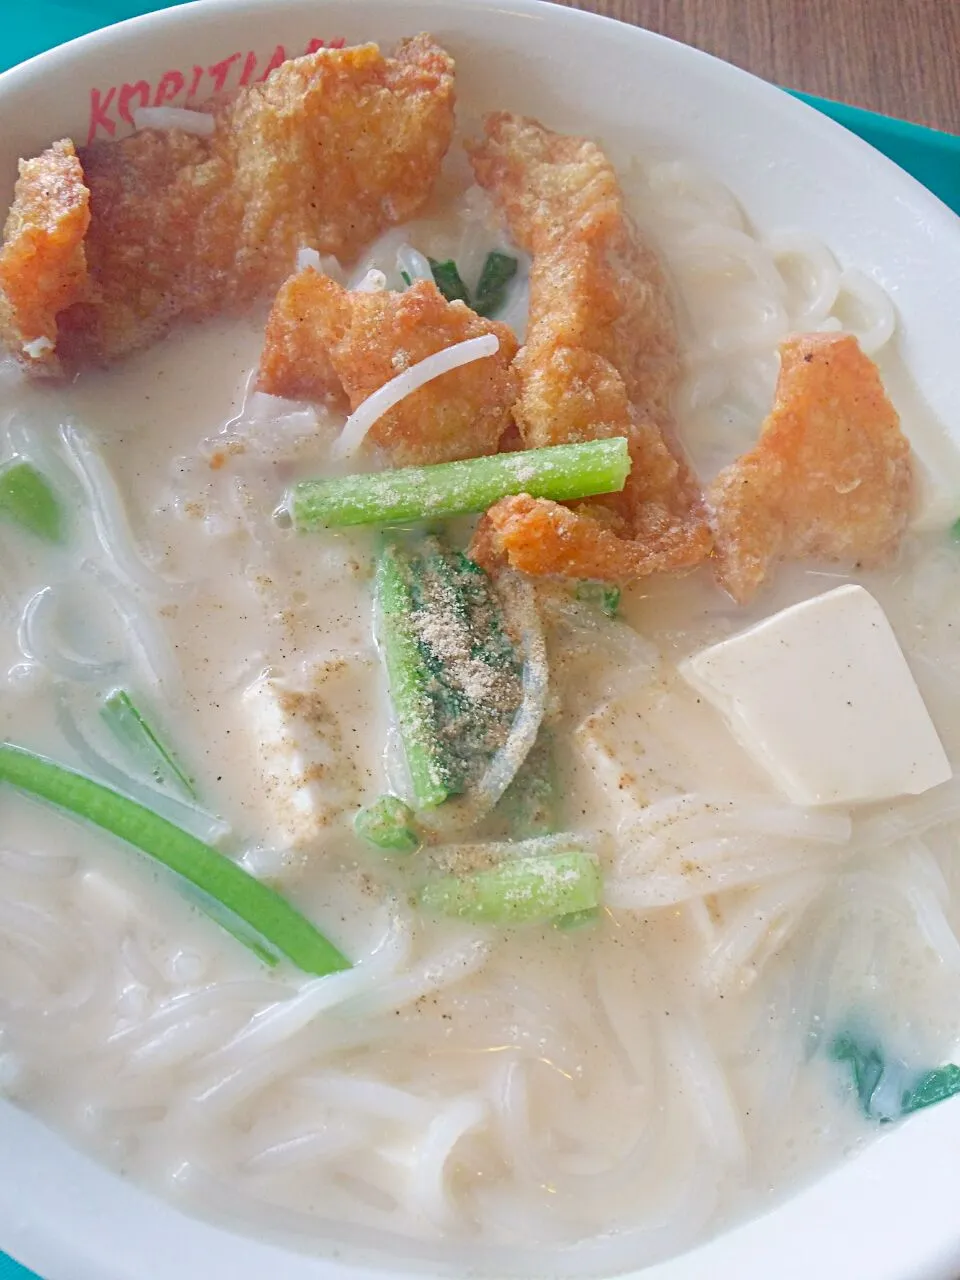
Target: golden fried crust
{"type": "Point", "coordinates": [544, 538]}
{"type": "Point", "coordinates": [831, 476]}
{"type": "Point", "coordinates": [321, 337]}
{"type": "Point", "coordinates": [329, 151]}
{"type": "Point", "coordinates": [43, 265]}
{"type": "Point", "coordinates": [295, 362]}
{"type": "Point", "coordinates": [601, 356]}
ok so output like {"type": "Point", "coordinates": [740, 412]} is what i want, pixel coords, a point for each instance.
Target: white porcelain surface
{"type": "Point", "coordinates": [890, 1214]}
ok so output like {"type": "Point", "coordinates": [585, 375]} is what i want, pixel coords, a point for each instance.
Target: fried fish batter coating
{"type": "Point", "coordinates": [601, 357]}
{"type": "Point", "coordinates": [43, 267]}
{"type": "Point", "coordinates": [327, 152]}
{"type": "Point", "coordinates": [601, 336]}
{"type": "Point", "coordinates": [830, 477]}
{"type": "Point", "coordinates": [540, 537]}
{"type": "Point", "coordinates": [321, 337]}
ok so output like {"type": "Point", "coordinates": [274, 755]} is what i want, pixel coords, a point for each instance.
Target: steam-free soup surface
{"type": "Point", "coordinates": [615, 1091]}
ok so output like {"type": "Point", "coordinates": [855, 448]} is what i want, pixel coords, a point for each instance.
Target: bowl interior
{"type": "Point", "coordinates": [885, 1214]}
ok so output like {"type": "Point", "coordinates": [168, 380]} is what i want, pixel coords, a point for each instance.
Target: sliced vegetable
{"type": "Point", "coordinates": [121, 714]}
{"type": "Point", "coordinates": [447, 279]}
{"type": "Point", "coordinates": [27, 497]}
{"type": "Point", "coordinates": [498, 270]}
{"type": "Point", "coordinates": [935, 1086]}
{"type": "Point", "coordinates": [428, 761]}
{"type": "Point", "coordinates": [519, 891]}
{"type": "Point", "coordinates": [389, 824]}
{"type": "Point", "coordinates": [250, 907]}
{"type": "Point", "coordinates": [455, 677]}
{"type": "Point", "coordinates": [475, 669]}
{"type": "Point", "coordinates": [562, 472]}
{"type": "Point", "coordinates": [601, 594]}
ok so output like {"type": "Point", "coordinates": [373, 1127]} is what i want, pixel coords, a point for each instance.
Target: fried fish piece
{"type": "Point", "coordinates": [601, 357]}
{"type": "Point", "coordinates": [541, 537]}
{"type": "Point", "coordinates": [601, 336]}
{"type": "Point", "coordinates": [327, 152]}
{"type": "Point", "coordinates": [323, 339]}
{"type": "Point", "coordinates": [831, 475]}
{"type": "Point", "coordinates": [43, 267]}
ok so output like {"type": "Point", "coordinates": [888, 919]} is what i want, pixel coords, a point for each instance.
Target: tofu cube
{"type": "Point", "coordinates": [821, 696]}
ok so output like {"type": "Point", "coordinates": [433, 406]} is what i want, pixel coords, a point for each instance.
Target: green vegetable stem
{"type": "Point", "coordinates": [561, 472]}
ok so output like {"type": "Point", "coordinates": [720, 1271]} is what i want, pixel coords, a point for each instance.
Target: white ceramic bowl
{"type": "Point", "coordinates": [892, 1213]}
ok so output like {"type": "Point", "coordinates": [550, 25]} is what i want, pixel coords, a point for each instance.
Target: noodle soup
{"type": "Point", "coordinates": [762, 984]}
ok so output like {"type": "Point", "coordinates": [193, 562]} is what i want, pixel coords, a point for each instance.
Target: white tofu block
{"type": "Point", "coordinates": [308, 777]}
{"type": "Point", "coordinates": [822, 697]}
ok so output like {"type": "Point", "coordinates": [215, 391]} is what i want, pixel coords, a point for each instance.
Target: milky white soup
{"type": "Point", "coordinates": [543, 1101]}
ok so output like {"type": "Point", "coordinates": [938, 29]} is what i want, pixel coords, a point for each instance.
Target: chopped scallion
{"type": "Point", "coordinates": [125, 720]}
{"type": "Point", "coordinates": [250, 910]}
{"type": "Point", "coordinates": [448, 281]}
{"type": "Point", "coordinates": [498, 270]}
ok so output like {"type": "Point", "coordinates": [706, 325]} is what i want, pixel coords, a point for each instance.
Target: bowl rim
{"type": "Point", "coordinates": [810, 1230]}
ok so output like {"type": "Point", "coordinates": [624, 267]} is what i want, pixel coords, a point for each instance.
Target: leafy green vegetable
{"type": "Point", "coordinates": [409, 677]}
{"type": "Point", "coordinates": [935, 1086]}
{"type": "Point", "coordinates": [250, 910]}
{"type": "Point", "coordinates": [27, 497]}
{"type": "Point", "coordinates": [447, 279]}
{"type": "Point", "coordinates": [389, 824]}
{"type": "Point", "coordinates": [498, 270]}
{"type": "Point", "coordinates": [454, 675]}
{"type": "Point", "coordinates": [129, 726]}
{"type": "Point", "coordinates": [870, 1070]}
{"type": "Point", "coordinates": [867, 1065]}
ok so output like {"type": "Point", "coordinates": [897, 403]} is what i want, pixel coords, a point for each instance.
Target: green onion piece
{"type": "Point", "coordinates": [577, 919]}
{"type": "Point", "coordinates": [27, 497]}
{"type": "Point", "coordinates": [601, 594]}
{"type": "Point", "coordinates": [279, 927]}
{"type": "Point", "coordinates": [121, 714]}
{"type": "Point", "coordinates": [516, 892]}
{"type": "Point", "coordinates": [936, 1086]}
{"type": "Point", "coordinates": [447, 279]}
{"type": "Point", "coordinates": [410, 679]}
{"type": "Point", "coordinates": [498, 270]}
{"type": "Point", "coordinates": [389, 824]}
{"type": "Point", "coordinates": [406, 278]}
{"type": "Point", "coordinates": [562, 472]}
